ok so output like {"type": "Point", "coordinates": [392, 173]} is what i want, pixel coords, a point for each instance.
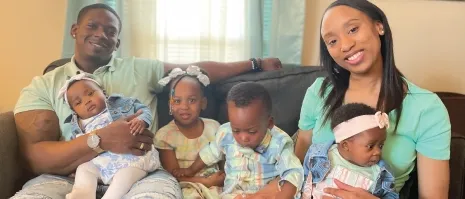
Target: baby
{"type": "Point", "coordinates": [355, 156]}
{"type": "Point", "coordinates": [92, 110]}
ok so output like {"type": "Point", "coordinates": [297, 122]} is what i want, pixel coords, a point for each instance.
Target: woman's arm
{"type": "Point", "coordinates": [433, 150]}
{"type": "Point", "coordinates": [433, 177]}
{"type": "Point", "coordinates": [304, 140]}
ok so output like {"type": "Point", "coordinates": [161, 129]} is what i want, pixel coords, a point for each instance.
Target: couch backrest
{"type": "Point", "coordinates": [287, 88]}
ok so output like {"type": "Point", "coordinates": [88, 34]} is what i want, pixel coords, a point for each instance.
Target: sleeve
{"type": "Point", "coordinates": [146, 116]}
{"type": "Point", "coordinates": [158, 72]}
{"type": "Point", "coordinates": [149, 71]}
{"type": "Point", "coordinates": [310, 105]}
{"type": "Point", "coordinates": [161, 140]}
{"type": "Point", "coordinates": [387, 184]}
{"type": "Point", "coordinates": [212, 153]}
{"type": "Point", "coordinates": [289, 167]}
{"type": "Point", "coordinates": [434, 130]}
{"type": "Point", "coordinates": [34, 97]}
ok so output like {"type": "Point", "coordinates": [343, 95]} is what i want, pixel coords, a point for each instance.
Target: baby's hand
{"type": "Point", "coordinates": [217, 179]}
{"type": "Point", "coordinates": [187, 172]}
{"type": "Point", "coordinates": [137, 126]}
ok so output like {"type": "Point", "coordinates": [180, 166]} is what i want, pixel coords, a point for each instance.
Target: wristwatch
{"type": "Point", "coordinates": [256, 64]}
{"type": "Point", "coordinates": [93, 141]}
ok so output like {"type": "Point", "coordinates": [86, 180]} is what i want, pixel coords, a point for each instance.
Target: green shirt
{"type": "Point", "coordinates": [131, 77]}
{"type": "Point", "coordinates": [424, 127]}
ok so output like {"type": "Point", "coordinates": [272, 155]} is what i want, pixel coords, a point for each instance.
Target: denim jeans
{"type": "Point", "coordinates": [158, 184]}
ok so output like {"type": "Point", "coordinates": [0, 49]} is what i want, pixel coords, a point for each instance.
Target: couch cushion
{"type": "Point", "coordinates": [287, 88]}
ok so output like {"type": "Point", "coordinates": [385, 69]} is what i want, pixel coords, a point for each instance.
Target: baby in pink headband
{"type": "Point", "coordinates": [354, 157]}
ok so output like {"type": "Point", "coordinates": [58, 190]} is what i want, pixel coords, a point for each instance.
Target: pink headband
{"type": "Point", "coordinates": [359, 124]}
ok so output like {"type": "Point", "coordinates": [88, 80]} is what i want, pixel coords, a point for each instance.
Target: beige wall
{"type": "Point", "coordinates": [30, 38]}
{"type": "Point", "coordinates": [429, 40]}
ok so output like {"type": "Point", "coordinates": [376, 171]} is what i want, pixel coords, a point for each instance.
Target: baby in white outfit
{"type": "Point", "coordinates": [93, 110]}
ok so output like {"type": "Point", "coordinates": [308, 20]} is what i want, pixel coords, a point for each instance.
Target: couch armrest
{"type": "Point", "coordinates": [9, 168]}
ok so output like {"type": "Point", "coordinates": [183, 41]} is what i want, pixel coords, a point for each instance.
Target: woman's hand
{"type": "Point", "coordinates": [347, 192]}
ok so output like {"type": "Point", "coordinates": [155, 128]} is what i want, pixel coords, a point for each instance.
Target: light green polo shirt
{"type": "Point", "coordinates": [424, 127]}
{"type": "Point", "coordinates": [131, 77]}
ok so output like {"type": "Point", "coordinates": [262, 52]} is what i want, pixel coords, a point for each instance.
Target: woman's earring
{"type": "Point", "coordinates": [74, 36]}
{"type": "Point", "coordinates": [382, 32]}
{"type": "Point", "coordinates": [171, 111]}
{"type": "Point", "coordinates": [335, 70]}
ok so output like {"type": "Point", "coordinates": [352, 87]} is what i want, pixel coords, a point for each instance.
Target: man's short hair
{"type": "Point", "coordinates": [244, 93]}
{"type": "Point", "coordinates": [88, 8]}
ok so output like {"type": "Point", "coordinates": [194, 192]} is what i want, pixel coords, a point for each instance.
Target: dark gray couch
{"type": "Point", "coordinates": [287, 88]}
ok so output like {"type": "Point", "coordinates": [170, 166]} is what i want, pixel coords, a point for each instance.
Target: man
{"type": "Point", "coordinates": [39, 114]}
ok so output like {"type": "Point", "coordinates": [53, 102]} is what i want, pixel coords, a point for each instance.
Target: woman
{"type": "Point", "coordinates": [356, 50]}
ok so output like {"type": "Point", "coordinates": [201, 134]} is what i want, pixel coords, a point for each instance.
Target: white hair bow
{"type": "Point", "coordinates": [191, 70]}
{"type": "Point", "coordinates": [64, 89]}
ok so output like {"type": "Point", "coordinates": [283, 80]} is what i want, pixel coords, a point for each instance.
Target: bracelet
{"type": "Point", "coordinates": [256, 64]}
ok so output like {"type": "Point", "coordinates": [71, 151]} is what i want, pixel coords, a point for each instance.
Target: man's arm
{"type": "Point", "coordinates": [38, 134]}
{"type": "Point", "coordinates": [218, 70]}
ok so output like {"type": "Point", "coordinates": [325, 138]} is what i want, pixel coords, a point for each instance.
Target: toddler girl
{"type": "Point", "coordinates": [180, 141]}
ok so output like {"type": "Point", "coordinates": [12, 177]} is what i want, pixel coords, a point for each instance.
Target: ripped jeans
{"type": "Point", "coordinates": [158, 184]}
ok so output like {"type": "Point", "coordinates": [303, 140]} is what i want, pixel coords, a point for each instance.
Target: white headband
{"type": "Point", "coordinates": [64, 89]}
{"type": "Point", "coordinates": [359, 124]}
{"type": "Point", "coordinates": [191, 70]}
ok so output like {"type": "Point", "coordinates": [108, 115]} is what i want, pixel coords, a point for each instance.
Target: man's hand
{"type": "Point", "coordinates": [183, 172]}
{"type": "Point", "coordinates": [137, 126]}
{"type": "Point", "coordinates": [116, 138]}
{"type": "Point", "coordinates": [269, 64]}
{"type": "Point", "coordinates": [347, 192]}
{"type": "Point", "coordinates": [216, 179]}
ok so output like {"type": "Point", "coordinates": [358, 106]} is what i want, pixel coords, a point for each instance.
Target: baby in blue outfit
{"type": "Point", "coordinates": [92, 110]}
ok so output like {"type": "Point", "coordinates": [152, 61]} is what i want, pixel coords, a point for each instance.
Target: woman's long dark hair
{"type": "Point", "coordinates": [392, 86]}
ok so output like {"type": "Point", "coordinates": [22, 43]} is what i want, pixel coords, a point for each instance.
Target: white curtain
{"type": "Point", "coordinates": [183, 31]}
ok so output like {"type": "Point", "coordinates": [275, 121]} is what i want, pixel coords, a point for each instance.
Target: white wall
{"type": "Point", "coordinates": [429, 40]}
